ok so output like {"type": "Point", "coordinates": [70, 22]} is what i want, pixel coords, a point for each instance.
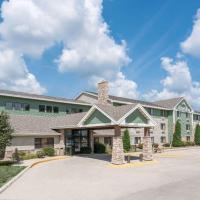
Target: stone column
{"type": "Point", "coordinates": [147, 146]}
{"type": "Point", "coordinates": [117, 148]}
{"type": "Point", "coordinates": [62, 143]}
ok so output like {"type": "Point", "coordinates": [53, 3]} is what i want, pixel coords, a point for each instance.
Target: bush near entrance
{"type": "Point", "coordinates": [99, 148]}
{"type": "Point", "coordinates": [126, 141]}
{"type": "Point", "coordinates": [177, 136]}
{"type": "Point", "coordinates": [197, 135]}
{"type": "Point", "coordinates": [48, 151]}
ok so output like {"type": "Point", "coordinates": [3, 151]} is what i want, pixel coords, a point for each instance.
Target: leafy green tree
{"type": "Point", "coordinates": [5, 132]}
{"type": "Point", "coordinates": [126, 141]}
{"type": "Point", "coordinates": [177, 136]}
{"type": "Point", "coordinates": [197, 135]}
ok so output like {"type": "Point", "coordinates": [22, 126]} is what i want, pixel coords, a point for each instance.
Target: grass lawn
{"type": "Point", "coordinates": [7, 172]}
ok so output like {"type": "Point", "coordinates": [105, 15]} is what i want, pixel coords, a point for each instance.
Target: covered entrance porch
{"type": "Point", "coordinates": [112, 119]}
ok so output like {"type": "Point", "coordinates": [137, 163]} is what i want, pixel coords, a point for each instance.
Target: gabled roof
{"type": "Point", "coordinates": [40, 97]}
{"type": "Point", "coordinates": [169, 103]}
{"type": "Point", "coordinates": [125, 100]}
{"type": "Point", "coordinates": [116, 112]}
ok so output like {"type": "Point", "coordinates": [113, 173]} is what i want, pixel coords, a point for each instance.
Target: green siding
{"type": "Point", "coordinates": [170, 126]}
{"type": "Point", "coordinates": [97, 118]}
{"type": "Point", "coordinates": [136, 117]}
{"type": "Point", "coordinates": [34, 106]}
{"type": "Point", "coordinates": [183, 108]}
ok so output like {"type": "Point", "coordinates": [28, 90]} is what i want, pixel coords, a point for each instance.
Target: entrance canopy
{"type": "Point", "coordinates": [107, 116]}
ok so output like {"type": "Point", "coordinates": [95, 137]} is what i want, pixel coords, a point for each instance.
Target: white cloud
{"type": "Point", "coordinates": [192, 44]}
{"type": "Point", "coordinates": [30, 27]}
{"type": "Point", "coordinates": [177, 83]}
{"type": "Point", "coordinates": [123, 87]}
{"type": "Point", "coordinates": [15, 75]}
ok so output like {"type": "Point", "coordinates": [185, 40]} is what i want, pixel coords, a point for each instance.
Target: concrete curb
{"type": "Point", "coordinates": [181, 148]}
{"type": "Point", "coordinates": [47, 160]}
{"type": "Point", "coordinates": [10, 182]}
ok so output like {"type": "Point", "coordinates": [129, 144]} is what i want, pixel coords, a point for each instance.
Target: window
{"type": "Point", "coordinates": [108, 141]}
{"type": "Point", "coordinates": [49, 109]}
{"type": "Point", "coordinates": [41, 108]}
{"type": "Point", "coordinates": [55, 109]}
{"type": "Point", "coordinates": [137, 140]}
{"type": "Point", "coordinates": [163, 139]}
{"type": "Point", "coordinates": [152, 139]}
{"type": "Point", "coordinates": [26, 107]}
{"type": "Point", "coordinates": [187, 127]}
{"type": "Point", "coordinates": [44, 142]}
{"type": "Point", "coordinates": [74, 110]}
{"type": "Point", "coordinates": [80, 110]}
{"type": "Point", "coordinates": [162, 113]}
{"type": "Point", "coordinates": [178, 114]}
{"type": "Point", "coordinates": [67, 111]}
{"type": "Point", "coordinates": [187, 115]}
{"type": "Point", "coordinates": [162, 126]}
{"type": "Point", "coordinates": [17, 106]}
{"type": "Point", "coordinates": [9, 106]}
{"type": "Point", "coordinates": [38, 143]}
{"type": "Point", "coordinates": [187, 138]}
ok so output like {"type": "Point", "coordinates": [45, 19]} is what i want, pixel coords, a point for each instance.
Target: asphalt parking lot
{"type": "Point", "coordinates": [174, 175]}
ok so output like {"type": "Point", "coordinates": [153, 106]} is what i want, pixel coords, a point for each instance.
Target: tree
{"type": "Point", "coordinates": [126, 141]}
{"type": "Point", "coordinates": [177, 136]}
{"type": "Point", "coordinates": [5, 132]}
{"type": "Point", "coordinates": [197, 135]}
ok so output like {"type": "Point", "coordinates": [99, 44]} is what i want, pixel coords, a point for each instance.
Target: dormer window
{"type": "Point", "coordinates": [178, 114]}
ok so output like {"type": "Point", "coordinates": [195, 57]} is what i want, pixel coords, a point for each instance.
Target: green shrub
{"type": "Point", "coordinates": [197, 135]}
{"type": "Point", "coordinates": [99, 148]}
{"type": "Point", "coordinates": [48, 151]}
{"type": "Point", "coordinates": [7, 162]}
{"type": "Point", "coordinates": [166, 145]}
{"type": "Point", "coordinates": [21, 154]}
{"type": "Point", "coordinates": [86, 150]}
{"type": "Point", "coordinates": [29, 156]}
{"type": "Point", "coordinates": [188, 143]}
{"type": "Point", "coordinates": [177, 136]}
{"type": "Point", "coordinates": [40, 154]}
{"type": "Point", "coordinates": [126, 141]}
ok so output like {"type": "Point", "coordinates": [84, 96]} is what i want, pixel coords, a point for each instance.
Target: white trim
{"type": "Point", "coordinates": [44, 99]}
{"type": "Point", "coordinates": [181, 99]}
{"type": "Point", "coordinates": [143, 111]}
{"type": "Point", "coordinates": [89, 113]}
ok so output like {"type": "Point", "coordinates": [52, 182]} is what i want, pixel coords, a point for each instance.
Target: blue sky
{"type": "Point", "coordinates": [144, 36]}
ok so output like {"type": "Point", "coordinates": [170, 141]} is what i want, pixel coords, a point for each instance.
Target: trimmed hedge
{"type": "Point", "coordinates": [99, 148]}
{"type": "Point", "coordinates": [7, 162]}
{"type": "Point", "coordinates": [49, 151]}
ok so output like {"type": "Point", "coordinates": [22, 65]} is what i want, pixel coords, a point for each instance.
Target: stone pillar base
{"type": "Point", "coordinates": [117, 151]}
{"type": "Point", "coordinates": [147, 149]}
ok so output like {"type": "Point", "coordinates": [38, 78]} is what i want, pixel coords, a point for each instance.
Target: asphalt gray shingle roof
{"type": "Point", "coordinates": [37, 97]}
{"type": "Point", "coordinates": [116, 112]}
{"type": "Point", "coordinates": [169, 103]}
{"type": "Point", "coordinates": [128, 100]}
{"type": "Point", "coordinates": [41, 125]}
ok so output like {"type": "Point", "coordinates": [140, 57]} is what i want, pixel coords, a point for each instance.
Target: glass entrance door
{"type": "Point", "coordinates": [78, 139]}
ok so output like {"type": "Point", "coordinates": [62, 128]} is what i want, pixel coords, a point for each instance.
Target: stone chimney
{"type": "Point", "coordinates": [103, 92]}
